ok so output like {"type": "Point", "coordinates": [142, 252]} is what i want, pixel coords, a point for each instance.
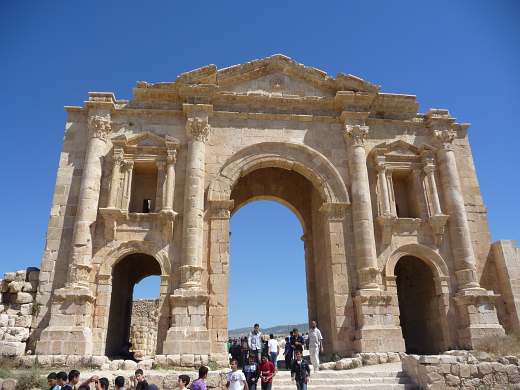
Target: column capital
{"type": "Point", "coordinates": [128, 164]}
{"type": "Point", "coordinates": [118, 157]}
{"type": "Point", "coordinates": [171, 156]}
{"type": "Point", "coordinates": [444, 138]}
{"type": "Point", "coordinates": [198, 129]}
{"type": "Point", "coordinates": [355, 135]}
{"type": "Point", "coordinates": [99, 127]}
{"type": "Point", "coordinates": [380, 163]}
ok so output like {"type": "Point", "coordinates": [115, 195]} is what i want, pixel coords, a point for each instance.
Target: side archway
{"type": "Point", "coordinates": [138, 259]}
{"type": "Point", "coordinates": [418, 276]}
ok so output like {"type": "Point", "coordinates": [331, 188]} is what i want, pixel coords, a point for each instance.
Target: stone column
{"type": "Point", "coordinates": [127, 187]}
{"type": "Point", "coordinates": [159, 193]}
{"type": "Point", "coordinates": [170, 180]}
{"type": "Point", "coordinates": [188, 334]}
{"type": "Point", "coordinates": [436, 218]}
{"type": "Point", "coordinates": [377, 312]}
{"type": "Point", "coordinates": [385, 208]}
{"type": "Point", "coordinates": [70, 325]}
{"type": "Point", "coordinates": [193, 217]}
{"type": "Point", "coordinates": [116, 174]}
{"type": "Point", "coordinates": [311, 275]}
{"type": "Point", "coordinates": [477, 317]}
{"type": "Point", "coordinates": [366, 257]}
{"type": "Point", "coordinates": [464, 256]}
{"type": "Point", "coordinates": [88, 201]}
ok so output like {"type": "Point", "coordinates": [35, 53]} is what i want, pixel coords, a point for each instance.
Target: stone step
{"type": "Point", "coordinates": [348, 373]}
{"type": "Point", "coordinates": [379, 386]}
{"type": "Point", "coordinates": [347, 381]}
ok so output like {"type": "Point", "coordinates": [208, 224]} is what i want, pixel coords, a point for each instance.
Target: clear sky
{"type": "Point", "coordinates": [460, 55]}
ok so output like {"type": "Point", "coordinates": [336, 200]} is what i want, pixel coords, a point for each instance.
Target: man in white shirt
{"type": "Point", "coordinates": [315, 345]}
{"type": "Point", "coordinates": [274, 350]}
{"type": "Point", "coordinates": [254, 342]}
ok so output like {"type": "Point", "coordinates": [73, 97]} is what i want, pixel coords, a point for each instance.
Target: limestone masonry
{"type": "Point", "coordinates": [397, 246]}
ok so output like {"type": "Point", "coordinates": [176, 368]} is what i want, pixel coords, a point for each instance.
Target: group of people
{"type": "Point", "coordinates": [258, 357]}
{"type": "Point", "coordinates": [63, 381]}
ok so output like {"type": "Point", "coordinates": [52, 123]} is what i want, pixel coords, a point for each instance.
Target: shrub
{"type": "Point", "coordinates": [30, 380]}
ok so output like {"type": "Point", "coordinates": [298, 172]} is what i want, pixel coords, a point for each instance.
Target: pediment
{"type": "Point", "coordinates": [145, 140]}
{"type": "Point", "coordinates": [277, 74]}
{"type": "Point", "coordinates": [398, 148]}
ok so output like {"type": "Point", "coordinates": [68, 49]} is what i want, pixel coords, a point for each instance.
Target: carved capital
{"type": "Point", "coordinates": [355, 134]}
{"type": "Point", "coordinates": [118, 157]}
{"type": "Point", "coordinates": [128, 165]}
{"type": "Point", "coordinates": [444, 138]}
{"type": "Point", "coordinates": [99, 127]}
{"type": "Point", "coordinates": [171, 156]}
{"type": "Point", "coordinates": [198, 128]}
{"type": "Point", "coordinates": [380, 163]}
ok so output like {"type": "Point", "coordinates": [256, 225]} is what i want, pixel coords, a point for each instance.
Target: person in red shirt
{"type": "Point", "coordinates": [267, 372]}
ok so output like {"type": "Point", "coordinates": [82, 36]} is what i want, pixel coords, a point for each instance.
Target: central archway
{"type": "Point", "coordinates": [307, 183]}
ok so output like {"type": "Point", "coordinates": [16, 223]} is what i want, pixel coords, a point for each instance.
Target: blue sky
{"type": "Point", "coordinates": [460, 55]}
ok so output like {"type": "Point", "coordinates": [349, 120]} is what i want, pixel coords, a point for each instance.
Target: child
{"type": "Point", "coordinates": [266, 373]}
{"type": "Point", "coordinates": [252, 373]}
{"type": "Point", "coordinates": [51, 381]}
{"type": "Point", "coordinates": [236, 380]}
{"type": "Point", "coordinates": [200, 383]}
{"type": "Point", "coordinates": [183, 381]}
{"type": "Point", "coordinates": [300, 372]}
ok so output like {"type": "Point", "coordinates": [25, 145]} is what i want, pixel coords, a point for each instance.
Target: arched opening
{"type": "Point", "coordinates": [283, 285]}
{"type": "Point", "coordinates": [418, 306]}
{"type": "Point", "coordinates": [126, 274]}
{"type": "Point", "coordinates": [267, 281]}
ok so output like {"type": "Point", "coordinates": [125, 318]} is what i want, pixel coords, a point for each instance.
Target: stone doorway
{"type": "Point", "coordinates": [129, 271]}
{"type": "Point", "coordinates": [418, 306]}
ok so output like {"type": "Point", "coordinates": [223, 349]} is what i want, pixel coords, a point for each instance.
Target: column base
{"type": "Point", "coordinates": [69, 331]}
{"type": "Point", "coordinates": [477, 316]}
{"type": "Point", "coordinates": [378, 322]}
{"type": "Point", "coordinates": [188, 334]}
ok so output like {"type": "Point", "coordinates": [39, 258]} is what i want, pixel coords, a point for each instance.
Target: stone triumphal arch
{"type": "Point", "coordinates": [395, 231]}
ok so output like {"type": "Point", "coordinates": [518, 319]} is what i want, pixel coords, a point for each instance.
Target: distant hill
{"type": "Point", "coordinates": [278, 330]}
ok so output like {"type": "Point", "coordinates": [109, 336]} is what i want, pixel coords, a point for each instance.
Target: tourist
{"type": "Point", "coordinates": [200, 383]}
{"type": "Point", "coordinates": [119, 383]}
{"type": "Point", "coordinates": [236, 380]}
{"type": "Point", "coordinates": [288, 353]}
{"type": "Point", "coordinates": [267, 372]}
{"type": "Point", "coordinates": [300, 371]}
{"type": "Point", "coordinates": [142, 384]}
{"type": "Point", "coordinates": [51, 381]}
{"type": "Point", "coordinates": [183, 381]}
{"type": "Point", "coordinates": [244, 350]}
{"type": "Point", "coordinates": [236, 351]}
{"type": "Point", "coordinates": [296, 341]}
{"type": "Point", "coordinates": [83, 387]}
{"type": "Point", "coordinates": [274, 349]}
{"type": "Point", "coordinates": [254, 342]}
{"type": "Point", "coordinates": [265, 345]}
{"type": "Point", "coordinates": [73, 380]}
{"type": "Point", "coordinates": [315, 345]}
{"type": "Point", "coordinates": [252, 373]}
{"type": "Point", "coordinates": [61, 379]}
{"type": "Point", "coordinates": [103, 384]}
{"type": "Point", "coordinates": [306, 340]}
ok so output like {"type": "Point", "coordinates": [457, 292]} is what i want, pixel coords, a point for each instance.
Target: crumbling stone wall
{"type": "Point", "coordinates": [17, 293]}
{"type": "Point", "coordinates": [143, 327]}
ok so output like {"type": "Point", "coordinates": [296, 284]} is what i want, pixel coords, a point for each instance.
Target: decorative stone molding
{"type": "Point", "coordinates": [444, 138]}
{"type": "Point", "coordinates": [220, 209]}
{"type": "Point", "coordinates": [334, 211]}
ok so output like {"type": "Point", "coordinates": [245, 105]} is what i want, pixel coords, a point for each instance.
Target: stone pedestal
{"type": "Point", "coordinates": [188, 333]}
{"type": "Point", "coordinates": [69, 331]}
{"type": "Point", "coordinates": [378, 330]}
{"type": "Point", "coordinates": [477, 316]}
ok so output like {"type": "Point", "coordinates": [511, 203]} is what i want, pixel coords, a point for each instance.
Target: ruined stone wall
{"type": "Point", "coordinates": [17, 292]}
{"type": "Point", "coordinates": [143, 328]}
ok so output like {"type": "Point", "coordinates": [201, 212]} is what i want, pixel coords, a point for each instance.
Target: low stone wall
{"type": "Point", "coordinates": [362, 359]}
{"type": "Point", "coordinates": [462, 370]}
{"type": "Point", "coordinates": [143, 327]}
{"type": "Point", "coordinates": [17, 293]}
